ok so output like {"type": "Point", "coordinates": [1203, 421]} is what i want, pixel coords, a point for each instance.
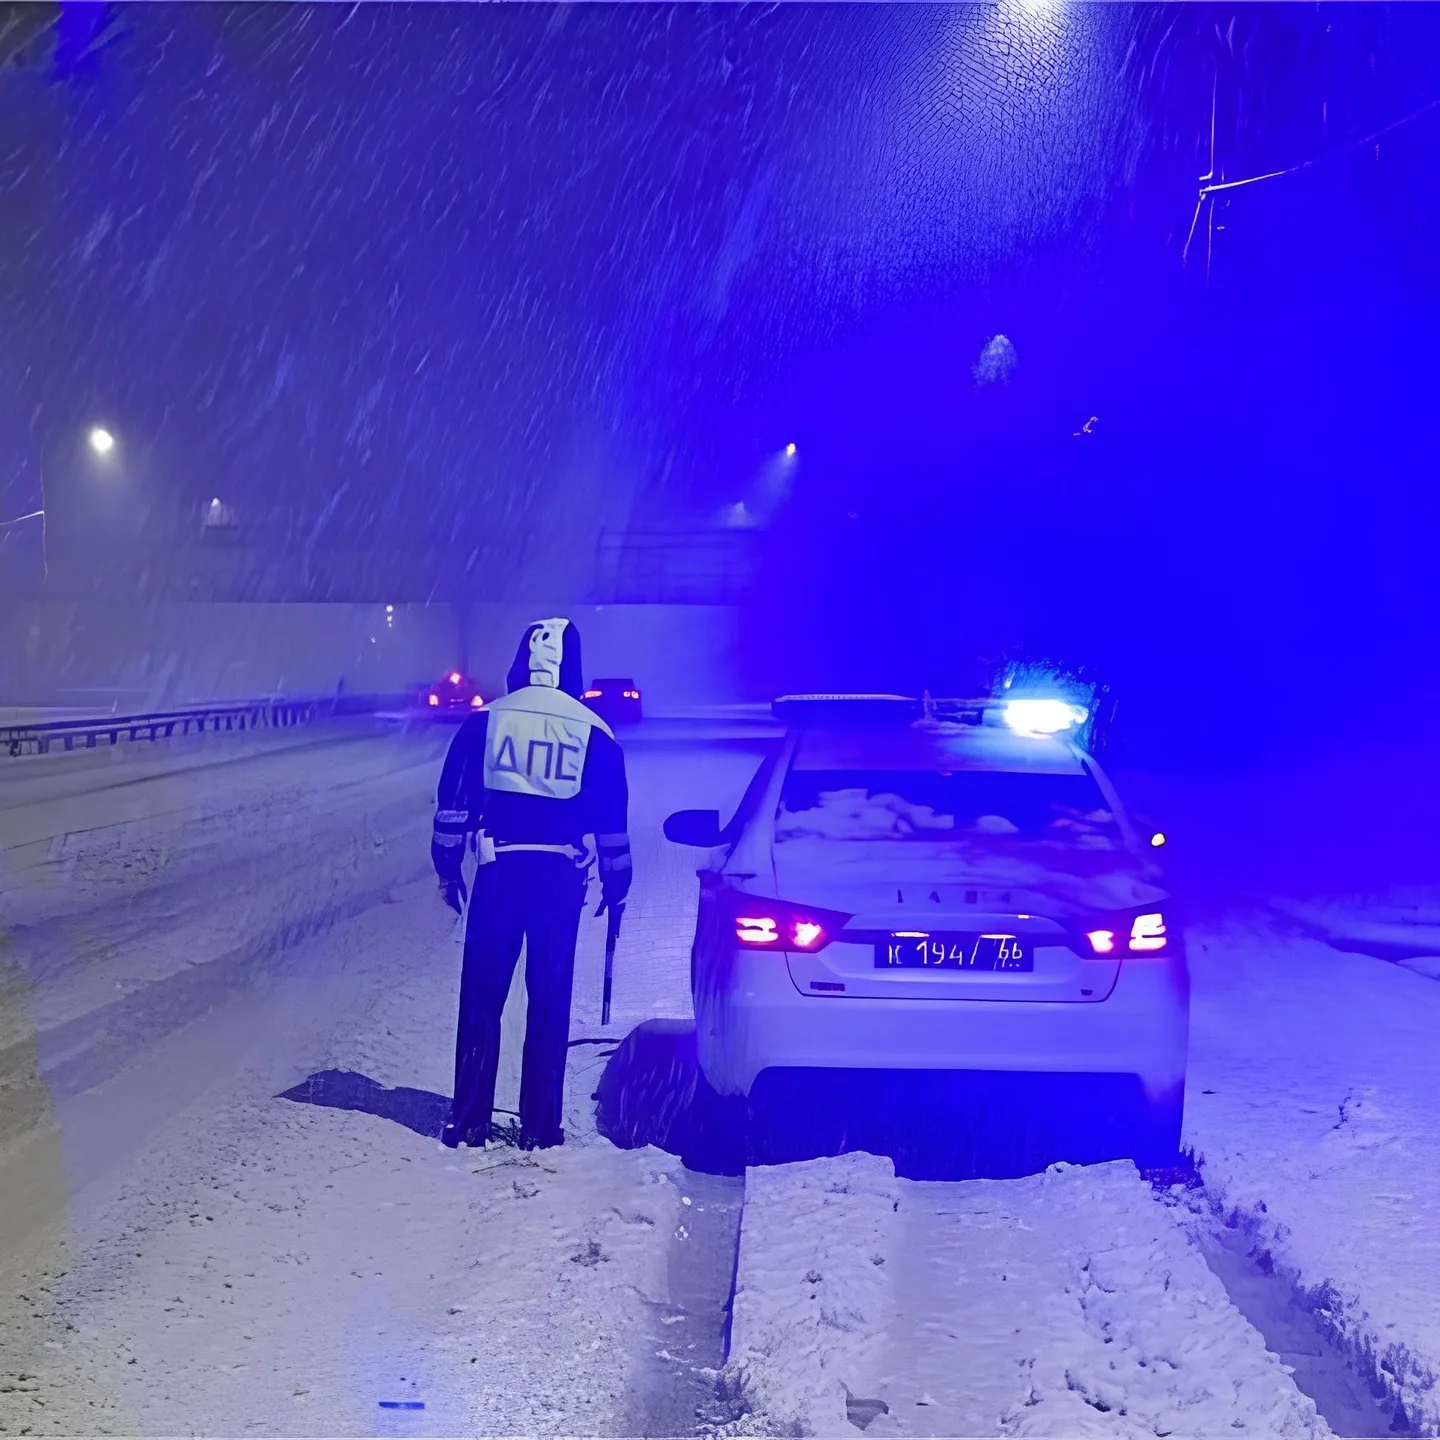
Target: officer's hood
{"type": "Point", "coordinates": [549, 656]}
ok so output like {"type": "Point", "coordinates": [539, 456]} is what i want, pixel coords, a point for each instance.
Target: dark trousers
{"type": "Point", "coordinates": [536, 898]}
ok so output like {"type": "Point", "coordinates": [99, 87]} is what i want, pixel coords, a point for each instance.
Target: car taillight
{"type": "Point", "coordinates": [757, 930]}
{"type": "Point", "coordinates": [591, 695]}
{"type": "Point", "coordinates": [776, 925]}
{"type": "Point", "coordinates": [1147, 932]}
{"type": "Point", "coordinates": [632, 694]}
{"type": "Point", "coordinates": [434, 700]}
{"type": "Point", "coordinates": [1138, 934]}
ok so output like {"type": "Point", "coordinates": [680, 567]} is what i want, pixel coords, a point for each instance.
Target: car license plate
{"type": "Point", "coordinates": [954, 952]}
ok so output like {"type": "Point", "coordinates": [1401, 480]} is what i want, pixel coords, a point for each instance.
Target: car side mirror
{"type": "Point", "coordinates": [700, 828]}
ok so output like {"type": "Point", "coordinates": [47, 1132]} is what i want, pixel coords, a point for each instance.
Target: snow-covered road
{"type": "Point", "coordinates": [227, 995]}
{"type": "Point", "coordinates": [192, 935]}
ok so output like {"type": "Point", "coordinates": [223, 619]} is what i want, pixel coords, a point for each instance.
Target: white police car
{"type": "Point", "coordinates": [921, 885]}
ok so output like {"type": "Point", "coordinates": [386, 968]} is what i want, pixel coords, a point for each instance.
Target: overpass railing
{"type": "Point", "coordinates": [89, 732]}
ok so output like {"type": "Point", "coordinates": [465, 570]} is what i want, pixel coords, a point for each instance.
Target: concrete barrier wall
{"type": "Point", "coordinates": [144, 655]}
{"type": "Point", "coordinates": [91, 655]}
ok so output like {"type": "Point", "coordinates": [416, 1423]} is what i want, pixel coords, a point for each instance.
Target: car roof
{"type": "Point", "coordinates": [613, 680]}
{"type": "Point", "coordinates": [933, 747]}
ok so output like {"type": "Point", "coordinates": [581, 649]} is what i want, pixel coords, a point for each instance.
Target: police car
{"type": "Point", "coordinates": [936, 885]}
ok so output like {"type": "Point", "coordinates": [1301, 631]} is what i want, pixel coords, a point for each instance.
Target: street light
{"type": "Point", "coordinates": [790, 451]}
{"type": "Point", "coordinates": [102, 442]}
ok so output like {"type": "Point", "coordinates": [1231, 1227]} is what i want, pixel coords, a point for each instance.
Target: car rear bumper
{"type": "Point", "coordinates": [1141, 1028]}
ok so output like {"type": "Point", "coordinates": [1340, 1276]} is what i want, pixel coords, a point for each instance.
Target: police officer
{"type": "Point", "coordinates": [526, 780]}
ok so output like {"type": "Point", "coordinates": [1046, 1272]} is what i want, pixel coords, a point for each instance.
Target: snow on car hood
{"type": "Point", "coordinates": [857, 875]}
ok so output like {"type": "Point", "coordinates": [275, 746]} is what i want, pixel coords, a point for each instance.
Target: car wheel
{"type": "Point", "coordinates": [763, 1140]}
{"type": "Point", "coordinates": [787, 1120]}
{"type": "Point", "coordinates": [716, 1142]}
{"type": "Point", "coordinates": [1157, 1139]}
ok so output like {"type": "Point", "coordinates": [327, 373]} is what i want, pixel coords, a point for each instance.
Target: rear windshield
{"type": "Point", "coordinates": [985, 806]}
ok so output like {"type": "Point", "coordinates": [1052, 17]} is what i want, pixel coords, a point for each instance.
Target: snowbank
{"type": "Point", "coordinates": [1311, 1107]}
{"type": "Point", "coordinates": [812, 1297]}
{"type": "Point", "coordinates": [1141, 1340]}
{"type": "Point", "coordinates": [1069, 1303]}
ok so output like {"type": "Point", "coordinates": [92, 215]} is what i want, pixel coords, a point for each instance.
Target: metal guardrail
{"type": "Point", "coordinates": [231, 715]}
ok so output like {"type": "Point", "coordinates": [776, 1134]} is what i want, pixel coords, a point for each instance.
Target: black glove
{"type": "Point", "coordinates": [614, 887]}
{"type": "Point", "coordinates": [453, 893]}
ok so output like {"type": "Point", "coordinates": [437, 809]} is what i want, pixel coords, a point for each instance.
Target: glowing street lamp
{"type": "Point", "coordinates": [790, 451]}
{"type": "Point", "coordinates": [102, 442]}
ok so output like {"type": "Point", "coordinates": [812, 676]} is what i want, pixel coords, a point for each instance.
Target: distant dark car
{"type": "Point", "coordinates": [616, 702]}
{"type": "Point", "coordinates": [453, 692]}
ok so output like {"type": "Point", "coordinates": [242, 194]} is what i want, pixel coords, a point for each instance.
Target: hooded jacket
{"type": "Point", "coordinates": [535, 767]}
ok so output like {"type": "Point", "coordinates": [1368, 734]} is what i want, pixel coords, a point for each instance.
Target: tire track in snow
{"type": "Point", "coordinates": [1313, 1126]}
{"type": "Point", "coordinates": [1352, 1389]}
{"type": "Point", "coordinates": [1359, 1386]}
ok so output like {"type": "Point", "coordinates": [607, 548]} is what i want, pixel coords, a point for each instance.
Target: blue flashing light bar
{"type": "Point", "coordinates": [1035, 717]}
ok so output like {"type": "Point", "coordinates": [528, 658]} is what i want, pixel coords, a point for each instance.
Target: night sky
{"type": "Point", "coordinates": [430, 295]}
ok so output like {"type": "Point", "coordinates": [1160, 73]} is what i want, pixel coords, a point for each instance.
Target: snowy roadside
{"type": "Point", "coordinates": [285, 1268]}
{"type": "Point", "coordinates": [220, 1260]}
{"type": "Point", "coordinates": [130, 929]}
{"type": "Point", "coordinates": [102, 827]}
{"type": "Point", "coordinates": [1311, 1108]}
{"type": "Point", "coordinates": [1403, 926]}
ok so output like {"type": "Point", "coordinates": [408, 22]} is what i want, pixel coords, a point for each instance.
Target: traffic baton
{"type": "Point", "coordinates": [612, 934]}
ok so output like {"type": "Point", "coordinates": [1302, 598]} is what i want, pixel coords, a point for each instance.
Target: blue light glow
{"type": "Point", "coordinates": [1043, 717]}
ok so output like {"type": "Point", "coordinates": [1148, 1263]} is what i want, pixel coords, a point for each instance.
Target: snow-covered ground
{"type": "Point", "coordinates": [1311, 1103]}
{"type": "Point", "coordinates": [186, 1253]}
{"type": "Point", "coordinates": [193, 931]}
{"type": "Point", "coordinates": [1402, 925]}
{"type": "Point", "coordinates": [1070, 1303]}
{"type": "Point", "coordinates": [1082, 1302]}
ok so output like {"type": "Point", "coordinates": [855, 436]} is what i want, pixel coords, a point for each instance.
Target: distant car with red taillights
{"type": "Point", "coordinates": [616, 702]}
{"type": "Point", "coordinates": [453, 693]}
